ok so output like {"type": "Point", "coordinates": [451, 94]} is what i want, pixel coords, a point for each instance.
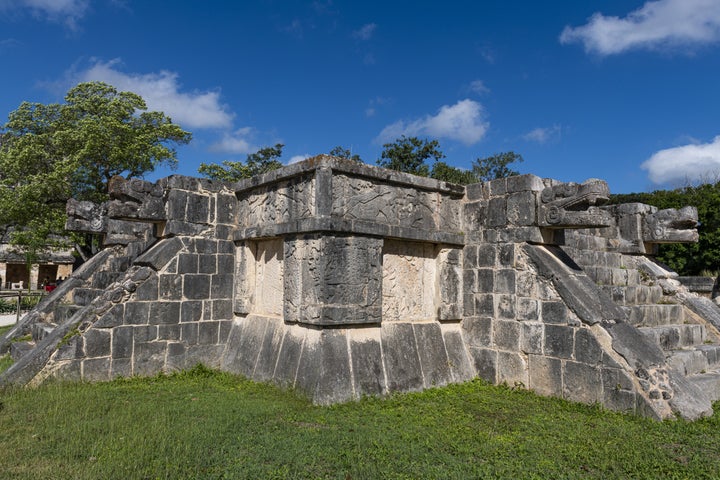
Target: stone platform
{"type": "Point", "coordinates": [344, 280]}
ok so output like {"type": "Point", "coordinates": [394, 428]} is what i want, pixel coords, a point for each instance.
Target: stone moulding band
{"type": "Point", "coordinates": [338, 165]}
{"type": "Point", "coordinates": [361, 227]}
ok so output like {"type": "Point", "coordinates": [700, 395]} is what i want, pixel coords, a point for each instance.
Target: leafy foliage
{"type": "Point", "coordinates": [343, 152]}
{"type": "Point", "coordinates": [448, 173]}
{"type": "Point", "coordinates": [496, 166]}
{"type": "Point", "coordinates": [262, 161]}
{"type": "Point", "coordinates": [688, 258]}
{"type": "Point", "coordinates": [50, 153]}
{"type": "Point", "coordinates": [409, 155]}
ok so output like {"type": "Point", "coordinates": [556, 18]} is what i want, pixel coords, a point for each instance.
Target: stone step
{"type": "Point", "coordinates": [699, 359]}
{"type": "Point", "coordinates": [634, 294]}
{"type": "Point", "coordinates": [656, 315]}
{"type": "Point", "coordinates": [708, 382]}
{"type": "Point", "coordinates": [20, 349]}
{"type": "Point", "coordinates": [65, 312]}
{"type": "Point", "coordinates": [102, 280]}
{"type": "Point", "coordinates": [674, 337]}
{"type": "Point", "coordinates": [712, 353]}
{"type": "Point", "coordinates": [41, 330]}
{"type": "Point", "coordinates": [83, 296]}
{"type": "Point", "coordinates": [613, 276]}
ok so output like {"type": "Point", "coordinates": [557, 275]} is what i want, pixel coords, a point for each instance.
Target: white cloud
{"type": "Point", "coordinates": [161, 91]}
{"type": "Point", "coordinates": [543, 135]}
{"type": "Point", "coordinates": [67, 12]}
{"type": "Point", "coordinates": [463, 121]}
{"type": "Point", "coordinates": [237, 142]}
{"type": "Point", "coordinates": [479, 87]}
{"type": "Point", "coordinates": [696, 162]}
{"type": "Point", "coordinates": [297, 158]}
{"type": "Point", "coordinates": [657, 24]}
{"type": "Point", "coordinates": [365, 32]}
{"type": "Point", "coordinates": [373, 105]}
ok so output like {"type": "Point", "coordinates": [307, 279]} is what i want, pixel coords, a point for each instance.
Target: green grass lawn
{"type": "Point", "coordinates": [206, 424]}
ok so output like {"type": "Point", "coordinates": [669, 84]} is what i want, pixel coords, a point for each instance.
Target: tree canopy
{"type": "Point", "coordinates": [495, 166]}
{"type": "Point", "coordinates": [409, 155]}
{"type": "Point", "coordinates": [443, 171]}
{"type": "Point", "coordinates": [262, 161]}
{"type": "Point", "coordinates": [52, 152]}
{"type": "Point", "coordinates": [343, 152]}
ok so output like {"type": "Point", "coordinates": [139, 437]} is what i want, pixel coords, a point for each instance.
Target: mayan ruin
{"type": "Point", "coordinates": [343, 280]}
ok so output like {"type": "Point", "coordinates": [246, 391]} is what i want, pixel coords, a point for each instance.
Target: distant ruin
{"type": "Point", "coordinates": [344, 280]}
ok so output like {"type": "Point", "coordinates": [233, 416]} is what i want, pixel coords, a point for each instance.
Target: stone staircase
{"type": "Point", "coordinates": [691, 345]}
{"type": "Point", "coordinates": [81, 291]}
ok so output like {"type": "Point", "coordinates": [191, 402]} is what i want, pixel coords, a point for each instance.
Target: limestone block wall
{"type": "Point", "coordinates": [533, 318]}
{"type": "Point", "coordinates": [173, 306]}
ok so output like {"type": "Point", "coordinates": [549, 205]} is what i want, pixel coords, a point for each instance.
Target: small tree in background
{"type": "Point", "coordinates": [262, 161]}
{"type": "Point", "coordinates": [343, 152]}
{"type": "Point", "coordinates": [496, 166]}
{"type": "Point", "coordinates": [443, 171]}
{"type": "Point", "coordinates": [409, 155]}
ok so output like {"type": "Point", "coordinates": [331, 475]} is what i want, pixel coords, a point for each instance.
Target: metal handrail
{"type": "Point", "coordinates": [19, 294]}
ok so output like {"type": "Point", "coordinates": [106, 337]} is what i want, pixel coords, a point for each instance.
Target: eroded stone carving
{"type": "Point", "coordinates": [409, 280]}
{"type": "Point", "coordinates": [641, 227]}
{"type": "Point", "coordinates": [136, 199]}
{"type": "Point", "coordinates": [574, 205]}
{"type": "Point", "coordinates": [671, 226]}
{"type": "Point", "coordinates": [86, 217]}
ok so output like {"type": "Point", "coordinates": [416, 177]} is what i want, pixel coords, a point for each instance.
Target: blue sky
{"type": "Point", "coordinates": [624, 90]}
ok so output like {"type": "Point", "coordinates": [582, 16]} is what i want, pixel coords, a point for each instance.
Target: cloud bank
{"type": "Point", "coordinates": [162, 92]}
{"type": "Point", "coordinates": [687, 163]}
{"type": "Point", "coordinates": [543, 135]}
{"type": "Point", "coordinates": [365, 32]}
{"type": "Point", "coordinates": [656, 25]}
{"type": "Point", "coordinates": [237, 142]}
{"type": "Point", "coordinates": [67, 12]}
{"type": "Point", "coordinates": [464, 122]}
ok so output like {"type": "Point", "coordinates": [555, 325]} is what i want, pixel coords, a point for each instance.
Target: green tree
{"type": "Point", "coordinates": [409, 155]}
{"type": "Point", "coordinates": [262, 161]}
{"type": "Point", "coordinates": [447, 173]}
{"type": "Point", "coordinates": [50, 153]}
{"type": "Point", "coordinates": [496, 166]}
{"type": "Point", "coordinates": [343, 152]}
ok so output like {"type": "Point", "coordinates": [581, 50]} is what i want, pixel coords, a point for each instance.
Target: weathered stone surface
{"type": "Point", "coordinates": [545, 375]}
{"type": "Point", "coordinates": [401, 360]}
{"type": "Point", "coordinates": [161, 253]}
{"type": "Point", "coordinates": [433, 356]}
{"type": "Point", "coordinates": [559, 341]}
{"type": "Point", "coordinates": [458, 360]}
{"type": "Point", "coordinates": [289, 354]}
{"type": "Point", "coordinates": [485, 362]}
{"type": "Point", "coordinates": [367, 364]}
{"type": "Point", "coordinates": [582, 383]}
{"type": "Point", "coordinates": [573, 205]}
{"type": "Point", "coordinates": [87, 217]}
{"type": "Point", "coordinates": [512, 369]}
{"type": "Point", "coordinates": [633, 346]}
